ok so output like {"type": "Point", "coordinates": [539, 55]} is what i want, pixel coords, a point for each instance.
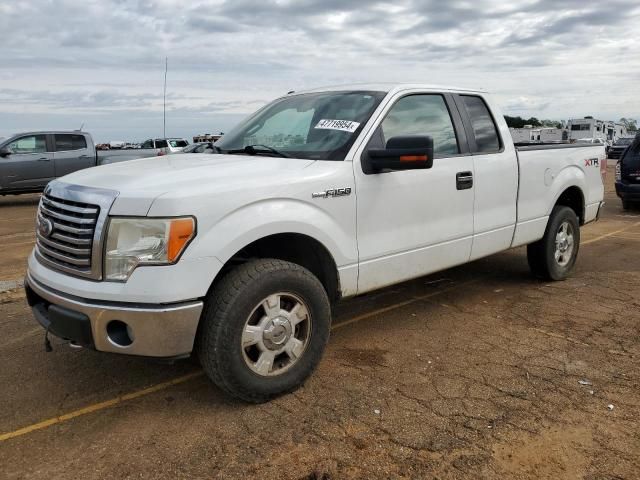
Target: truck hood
{"type": "Point", "coordinates": [139, 182]}
{"type": "Point", "coordinates": [173, 172]}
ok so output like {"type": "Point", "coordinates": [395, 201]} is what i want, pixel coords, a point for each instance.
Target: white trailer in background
{"type": "Point", "coordinates": [580, 128]}
{"type": "Point", "coordinates": [538, 135]}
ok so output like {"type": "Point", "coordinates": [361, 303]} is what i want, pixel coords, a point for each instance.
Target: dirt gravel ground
{"type": "Point", "coordinates": [475, 372]}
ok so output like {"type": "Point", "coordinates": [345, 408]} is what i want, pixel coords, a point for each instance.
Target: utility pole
{"type": "Point", "coordinates": [164, 99]}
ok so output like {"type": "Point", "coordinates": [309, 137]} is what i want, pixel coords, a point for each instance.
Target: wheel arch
{"type": "Point", "coordinates": [573, 197]}
{"type": "Point", "coordinates": [294, 247]}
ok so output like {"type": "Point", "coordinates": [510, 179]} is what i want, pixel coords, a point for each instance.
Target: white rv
{"type": "Point", "coordinates": [588, 127]}
{"type": "Point", "coordinates": [538, 135]}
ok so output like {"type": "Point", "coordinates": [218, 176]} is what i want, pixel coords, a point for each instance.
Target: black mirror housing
{"type": "Point", "coordinates": [5, 151]}
{"type": "Point", "coordinates": [403, 153]}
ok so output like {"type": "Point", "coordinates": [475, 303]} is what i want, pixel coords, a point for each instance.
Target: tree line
{"type": "Point", "coordinates": [519, 122]}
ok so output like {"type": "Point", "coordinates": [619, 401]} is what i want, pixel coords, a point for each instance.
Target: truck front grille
{"type": "Point", "coordinates": [65, 233]}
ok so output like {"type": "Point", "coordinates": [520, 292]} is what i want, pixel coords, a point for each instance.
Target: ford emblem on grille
{"type": "Point", "coordinates": [45, 227]}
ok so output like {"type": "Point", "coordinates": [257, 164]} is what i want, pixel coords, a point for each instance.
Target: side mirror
{"type": "Point", "coordinates": [5, 152]}
{"type": "Point", "coordinates": [403, 153]}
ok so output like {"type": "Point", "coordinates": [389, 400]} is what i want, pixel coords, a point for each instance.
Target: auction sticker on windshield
{"type": "Point", "coordinates": [343, 125]}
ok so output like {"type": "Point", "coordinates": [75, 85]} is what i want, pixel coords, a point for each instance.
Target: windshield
{"type": "Point", "coordinates": [192, 147]}
{"type": "Point", "coordinates": [624, 141]}
{"type": "Point", "coordinates": [318, 126]}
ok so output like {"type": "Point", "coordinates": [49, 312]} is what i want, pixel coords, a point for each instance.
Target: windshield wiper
{"type": "Point", "coordinates": [252, 150]}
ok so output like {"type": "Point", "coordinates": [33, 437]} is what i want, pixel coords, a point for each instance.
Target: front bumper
{"type": "Point", "coordinates": [628, 191]}
{"type": "Point", "coordinates": [164, 331]}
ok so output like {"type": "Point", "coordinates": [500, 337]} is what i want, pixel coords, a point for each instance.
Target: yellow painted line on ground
{"type": "Point", "coordinates": [99, 406]}
{"type": "Point", "coordinates": [30, 242]}
{"type": "Point", "coordinates": [373, 313]}
{"type": "Point", "coordinates": [610, 234]}
{"type": "Point", "coordinates": [18, 218]}
{"type": "Point", "coordinates": [161, 386]}
{"type": "Point", "coordinates": [627, 237]}
{"type": "Point", "coordinates": [185, 378]}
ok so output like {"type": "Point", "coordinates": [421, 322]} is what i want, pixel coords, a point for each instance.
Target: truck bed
{"type": "Point", "coordinates": [105, 157]}
{"type": "Point", "coordinates": [546, 172]}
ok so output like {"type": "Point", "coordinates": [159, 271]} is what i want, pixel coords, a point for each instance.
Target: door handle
{"type": "Point", "coordinates": [464, 180]}
{"type": "Point", "coordinates": [44, 159]}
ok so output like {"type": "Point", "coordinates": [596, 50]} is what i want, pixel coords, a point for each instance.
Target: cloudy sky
{"type": "Point", "coordinates": [100, 63]}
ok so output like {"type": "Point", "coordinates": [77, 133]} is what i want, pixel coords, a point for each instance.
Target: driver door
{"type": "Point", "coordinates": [414, 222]}
{"type": "Point", "coordinates": [29, 166]}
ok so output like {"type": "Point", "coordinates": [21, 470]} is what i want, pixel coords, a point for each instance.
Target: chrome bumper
{"type": "Point", "coordinates": [146, 330]}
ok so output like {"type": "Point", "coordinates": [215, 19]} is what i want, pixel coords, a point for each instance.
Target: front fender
{"type": "Point", "coordinates": [334, 229]}
{"type": "Point", "coordinates": [280, 215]}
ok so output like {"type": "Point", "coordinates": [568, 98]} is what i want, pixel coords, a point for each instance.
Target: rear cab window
{"type": "Point", "coordinates": [483, 127]}
{"type": "Point", "coordinates": [67, 142]}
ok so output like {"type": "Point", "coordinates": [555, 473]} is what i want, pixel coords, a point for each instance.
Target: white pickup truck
{"type": "Point", "coordinates": [320, 195]}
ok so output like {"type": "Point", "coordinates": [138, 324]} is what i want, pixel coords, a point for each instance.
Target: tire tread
{"type": "Point", "coordinates": [539, 253]}
{"type": "Point", "coordinates": [214, 354]}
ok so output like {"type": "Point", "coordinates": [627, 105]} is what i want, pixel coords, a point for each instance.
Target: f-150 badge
{"type": "Point", "coordinates": [332, 192]}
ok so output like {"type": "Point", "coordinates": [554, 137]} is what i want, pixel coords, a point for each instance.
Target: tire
{"type": "Point", "coordinates": [253, 342]}
{"type": "Point", "coordinates": [626, 205]}
{"type": "Point", "coordinates": [554, 256]}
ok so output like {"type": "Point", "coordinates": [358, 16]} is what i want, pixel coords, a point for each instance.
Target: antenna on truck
{"type": "Point", "coordinates": [164, 99]}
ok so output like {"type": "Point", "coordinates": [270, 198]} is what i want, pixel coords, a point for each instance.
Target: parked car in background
{"type": "Point", "coordinates": [166, 145]}
{"type": "Point", "coordinates": [628, 174]}
{"type": "Point", "coordinates": [200, 147]}
{"type": "Point", "coordinates": [28, 161]}
{"type": "Point", "coordinates": [596, 141]}
{"type": "Point", "coordinates": [617, 149]}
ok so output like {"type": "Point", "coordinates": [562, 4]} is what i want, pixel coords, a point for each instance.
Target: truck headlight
{"type": "Point", "coordinates": [145, 241]}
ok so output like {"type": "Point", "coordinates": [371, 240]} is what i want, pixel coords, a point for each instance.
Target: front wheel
{"type": "Point", "coordinates": [554, 256]}
{"type": "Point", "coordinates": [263, 330]}
{"type": "Point", "coordinates": [626, 205]}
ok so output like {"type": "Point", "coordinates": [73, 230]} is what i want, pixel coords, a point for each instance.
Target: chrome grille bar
{"type": "Point", "coordinates": [69, 233]}
{"type": "Point", "coordinates": [71, 208]}
{"type": "Point", "coordinates": [67, 236]}
{"type": "Point", "coordinates": [76, 240]}
{"type": "Point", "coordinates": [86, 262]}
{"type": "Point", "coordinates": [66, 218]}
{"type": "Point", "coordinates": [86, 252]}
{"type": "Point", "coordinates": [70, 229]}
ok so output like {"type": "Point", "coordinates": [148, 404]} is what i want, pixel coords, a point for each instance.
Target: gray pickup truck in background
{"type": "Point", "coordinates": [28, 161]}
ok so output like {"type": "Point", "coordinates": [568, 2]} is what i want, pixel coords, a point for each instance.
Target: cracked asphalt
{"type": "Point", "coordinates": [475, 372]}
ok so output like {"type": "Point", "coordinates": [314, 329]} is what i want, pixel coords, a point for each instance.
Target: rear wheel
{"type": "Point", "coordinates": [264, 328]}
{"type": "Point", "coordinates": [554, 256]}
